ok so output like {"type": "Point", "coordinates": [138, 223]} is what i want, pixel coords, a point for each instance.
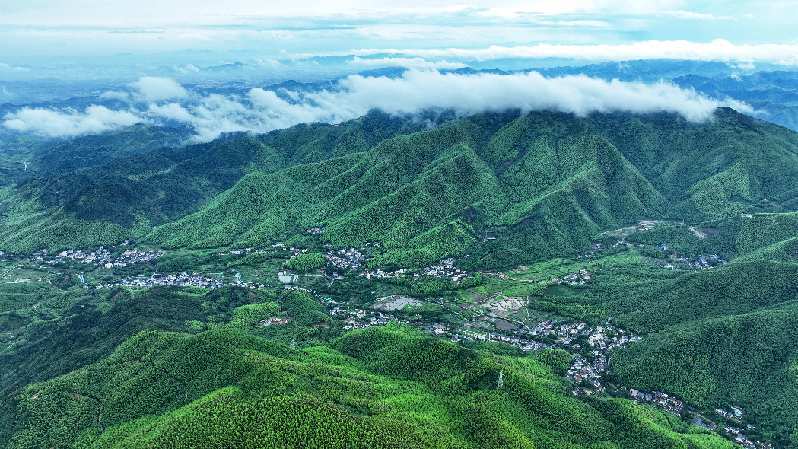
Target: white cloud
{"type": "Point", "coordinates": [416, 91]}
{"type": "Point", "coordinates": [716, 50]}
{"type": "Point", "coordinates": [262, 111]}
{"type": "Point", "coordinates": [125, 13]}
{"type": "Point", "coordinates": [171, 111]}
{"type": "Point", "coordinates": [514, 9]}
{"type": "Point", "coordinates": [4, 67]}
{"type": "Point", "coordinates": [466, 94]}
{"type": "Point", "coordinates": [410, 63]}
{"type": "Point", "coordinates": [692, 15]}
{"type": "Point", "coordinates": [95, 119]}
{"type": "Point", "coordinates": [115, 95]}
{"type": "Point", "coordinates": [187, 69]}
{"type": "Point", "coordinates": [152, 88]}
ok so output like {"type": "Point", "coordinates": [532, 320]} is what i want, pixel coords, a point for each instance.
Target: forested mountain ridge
{"type": "Point", "coordinates": [71, 185]}
{"type": "Point", "coordinates": [519, 278]}
{"type": "Point", "coordinates": [491, 173]}
{"type": "Point", "coordinates": [546, 183]}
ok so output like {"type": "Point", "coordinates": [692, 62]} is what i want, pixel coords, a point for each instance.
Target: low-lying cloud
{"type": "Point", "coordinates": [715, 50]}
{"type": "Point", "coordinates": [410, 63]}
{"type": "Point", "coordinates": [263, 110]}
{"type": "Point", "coordinates": [153, 88]}
{"type": "Point", "coordinates": [68, 123]}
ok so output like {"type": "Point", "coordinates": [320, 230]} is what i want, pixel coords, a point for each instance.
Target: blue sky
{"type": "Point", "coordinates": [97, 49]}
{"type": "Point", "coordinates": [191, 33]}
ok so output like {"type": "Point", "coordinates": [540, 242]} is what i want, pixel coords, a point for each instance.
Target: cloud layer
{"type": "Point", "coordinates": [715, 50]}
{"type": "Point", "coordinates": [262, 111]}
{"type": "Point", "coordinates": [152, 88]}
{"type": "Point", "coordinates": [68, 123]}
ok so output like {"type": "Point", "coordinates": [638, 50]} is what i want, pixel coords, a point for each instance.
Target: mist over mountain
{"type": "Point", "coordinates": [157, 99]}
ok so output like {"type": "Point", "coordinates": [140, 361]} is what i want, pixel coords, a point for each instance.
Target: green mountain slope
{"type": "Point", "coordinates": [746, 359]}
{"type": "Point", "coordinates": [544, 183]}
{"type": "Point", "coordinates": [635, 200]}
{"type": "Point", "coordinates": [718, 337]}
{"type": "Point", "coordinates": [120, 186]}
{"type": "Point", "coordinates": [225, 389]}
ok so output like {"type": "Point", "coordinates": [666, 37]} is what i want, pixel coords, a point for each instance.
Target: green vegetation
{"type": "Point", "coordinates": [306, 262]}
{"type": "Point", "coordinates": [542, 184]}
{"type": "Point", "coordinates": [521, 201]}
{"type": "Point", "coordinates": [742, 359]}
{"type": "Point", "coordinates": [387, 387]}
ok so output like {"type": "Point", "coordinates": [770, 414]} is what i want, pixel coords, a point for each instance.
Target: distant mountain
{"type": "Point", "coordinates": [646, 70]}
{"type": "Point", "coordinates": [116, 185]}
{"type": "Point", "coordinates": [545, 183]}
{"type": "Point", "coordinates": [773, 94]}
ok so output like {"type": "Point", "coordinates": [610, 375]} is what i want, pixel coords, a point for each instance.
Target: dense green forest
{"type": "Point", "coordinates": [682, 234]}
{"type": "Point", "coordinates": [544, 183]}
{"type": "Point", "coordinates": [386, 387]}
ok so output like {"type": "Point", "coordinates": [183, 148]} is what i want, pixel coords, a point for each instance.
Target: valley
{"type": "Point", "coordinates": [523, 310]}
{"type": "Point", "coordinates": [504, 279]}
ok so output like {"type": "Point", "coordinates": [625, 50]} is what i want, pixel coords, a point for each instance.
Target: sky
{"type": "Point", "coordinates": [156, 61]}
{"type": "Point", "coordinates": [154, 100]}
{"type": "Point", "coordinates": [205, 32]}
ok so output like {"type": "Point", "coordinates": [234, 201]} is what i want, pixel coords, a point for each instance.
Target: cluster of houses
{"type": "Point", "coordinates": [444, 269]}
{"type": "Point", "coordinates": [592, 345]}
{"type": "Point", "coordinates": [360, 318]}
{"type": "Point", "coordinates": [353, 260]}
{"type": "Point", "coordinates": [703, 262]}
{"type": "Point", "coordinates": [585, 376]}
{"type": "Point", "coordinates": [733, 417]}
{"type": "Point", "coordinates": [237, 252]}
{"type": "Point", "coordinates": [345, 259]}
{"type": "Point", "coordinates": [579, 278]}
{"type": "Point", "coordinates": [525, 344]}
{"type": "Point", "coordinates": [738, 436]}
{"type": "Point", "coordinates": [671, 260]}
{"type": "Point", "coordinates": [506, 305]}
{"type": "Point", "coordinates": [662, 400]}
{"type": "Point", "coordinates": [393, 303]}
{"type": "Point", "coordinates": [733, 413]}
{"type": "Point", "coordinates": [287, 278]}
{"type": "Point", "coordinates": [133, 256]}
{"type": "Point", "coordinates": [274, 321]}
{"type": "Point", "coordinates": [171, 280]}
{"type": "Point", "coordinates": [379, 273]}
{"type": "Point", "coordinates": [98, 257]}
{"type": "Point", "coordinates": [602, 337]}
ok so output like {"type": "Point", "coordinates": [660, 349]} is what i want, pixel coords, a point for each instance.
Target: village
{"type": "Point", "coordinates": [493, 320]}
{"type": "Point", "coordinates": [100, 257]}
{"type": "Point", "coordinates": [662, 254]}
{"type": "Point", "coordinates": [167, 280]}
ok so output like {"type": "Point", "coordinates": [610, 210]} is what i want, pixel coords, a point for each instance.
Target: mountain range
{"type": "Point", "coordinates": [681, 233]}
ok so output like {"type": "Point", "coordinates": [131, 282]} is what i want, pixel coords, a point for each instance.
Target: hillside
{"type": "Point", "coordinates": [494, 280]}
{"type": "Point", "coordinates": [226, 389]}
{"type": "Point", "coordinates": [72, 185]}
{"type": "Point", "coordinates": [544, 184]}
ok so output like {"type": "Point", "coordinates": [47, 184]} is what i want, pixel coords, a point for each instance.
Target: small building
{"type": "Point", "coordinates": [287, 278]}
